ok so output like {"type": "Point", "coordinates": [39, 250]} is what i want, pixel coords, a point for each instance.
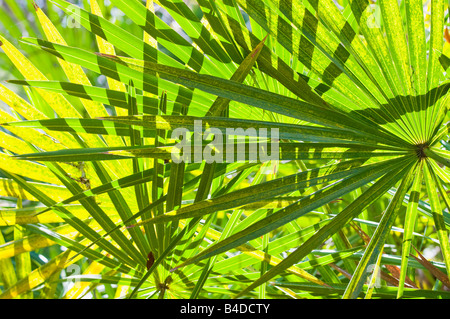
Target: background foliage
{"type": "Point", "coordinates": [93, 207]}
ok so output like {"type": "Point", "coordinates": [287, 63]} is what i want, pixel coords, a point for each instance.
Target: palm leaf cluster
{"type": "Point", "coordinates": [357, 91]}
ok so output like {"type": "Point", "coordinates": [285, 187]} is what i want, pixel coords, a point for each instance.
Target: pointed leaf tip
{"type": "Point", "coordinates": [259, 47]}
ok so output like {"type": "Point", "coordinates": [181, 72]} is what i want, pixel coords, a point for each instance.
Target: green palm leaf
{"type": "Point", "coordinates": [93, 174]}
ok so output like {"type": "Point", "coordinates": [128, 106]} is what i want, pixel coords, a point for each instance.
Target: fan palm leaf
{"type": "Point", "coordinates": [357, 106]}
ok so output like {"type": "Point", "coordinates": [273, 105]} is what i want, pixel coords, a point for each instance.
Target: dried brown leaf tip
{"type": "Point", "coordinates": [151, 260]}
{"type": "Point", "coordinates": [446, 35]}
{"type": "Point", "coordinates": [361, 233]}
{"type": "Point", "coordinates": [36, 7]}
{"type": "Point", "coordinates": [106, 55]}
{"type": "Point", "coordinates": [431, 268]}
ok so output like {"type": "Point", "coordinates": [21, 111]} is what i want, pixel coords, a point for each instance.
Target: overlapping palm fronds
{"type": "Point", "coordinates": [360, 174]}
